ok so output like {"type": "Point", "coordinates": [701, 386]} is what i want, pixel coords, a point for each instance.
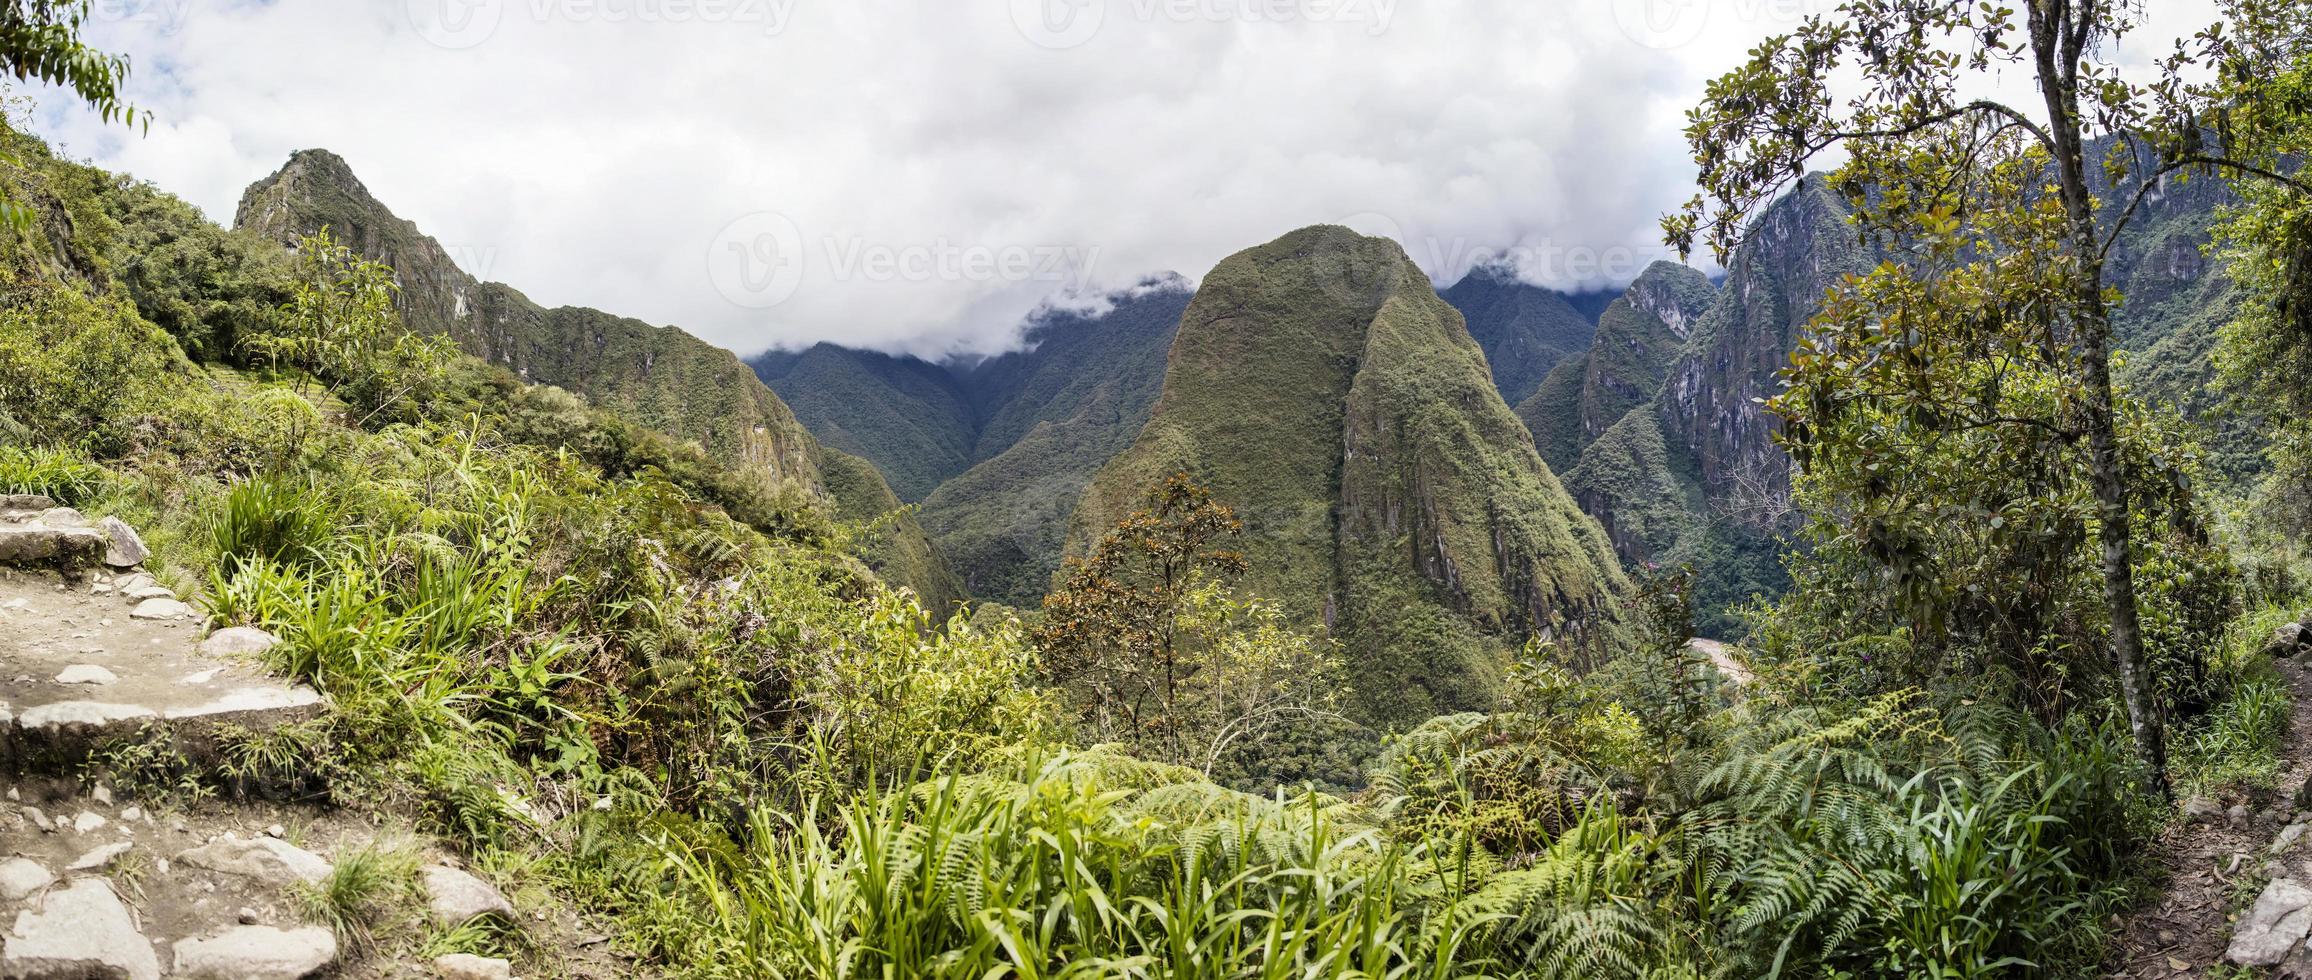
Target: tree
{"type": "Point", "coordinates": [1930, 168]}
{"type": "Point", "coordinates": [40, 41]}
{"type": "Point", "coordinates": [2264, 81]}
{"type": "Point", "coordinates": [1160, 654]}
{"type": "Point", "coordinates": [339, 325]}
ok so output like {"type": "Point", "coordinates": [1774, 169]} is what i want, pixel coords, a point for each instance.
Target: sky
{"type": "Point", "coordinates": [917, 176]}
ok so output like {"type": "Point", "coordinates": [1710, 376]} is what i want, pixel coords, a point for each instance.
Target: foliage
{"type": "Point", "coordinates": [1159, 655]}
{"type": "Point", "coordinates": [2267, 241]}
{"type": "Point", "coordinates": [40, 41]}
{"type": "Point", "coordinates": [340, 326]}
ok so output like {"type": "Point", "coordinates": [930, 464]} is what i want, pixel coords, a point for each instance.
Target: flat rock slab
{"type": "Point", "coordinates": [2280, 919]}
{"type": "Point", "coordinates": [256, 953]}
{"type": "Point", "coordinates": [19, 878]}
{"type": "Point", "coordinates": [265, 859]}
{"type": "Point", "coordinates": [80, 930]}
{"type": "Point", "coordinates": [38, 544]}
{"type": "Point", "coordinates": [59, 644]}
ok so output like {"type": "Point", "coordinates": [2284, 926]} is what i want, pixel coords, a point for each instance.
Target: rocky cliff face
{"type": "Point", "coordinates": [1776, 281]}
{"type": "Point", "coordinates": [660, 377]}
{"type": "Point", "coordinates": [1320, 386]}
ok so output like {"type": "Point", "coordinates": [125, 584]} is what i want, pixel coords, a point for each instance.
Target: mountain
{"type": "Point", "coordinates": [1658, 429]}
{"type": "Point", "coordinates": [1525, 330]}
{"type": "Point", "coordinates": [1053, 413]}
{"type": "Point", "coordinates": [996, 449]}
{"type": "Point", "coordinates": [659, 377]}
{"type": "Point", "coordinates": [1321, 387]}
{"type": "Point", "coordinates": [908, 416]}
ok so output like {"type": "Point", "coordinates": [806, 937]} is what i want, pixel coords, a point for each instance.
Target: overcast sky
{"type": "Point", "coordinates": [916, 176]}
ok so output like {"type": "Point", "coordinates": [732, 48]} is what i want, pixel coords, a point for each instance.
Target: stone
{"type": "Point", "coordinates": [63, 517]}
{"type": "Point", "coordinates": [102, 794]}
{"type": "Point", "coordinates": [238, 641]}
{"type": "Point", "coordinates": [126, 550]}
{"type": "Point", "coordinates": [455, 898]}
{"type": "Point", "coordinates": [2286, 640]}
{"type": "Point", "coordinates": [85, 674]}
{"type": "Point", "coordinates": [39, 820]}
{"type": "Point", "coordinates": [276, 830]}
{"type": "Point", "coordinates": [467, 966]}
{"type": "Point", "coordinates": [39, 544]}
{"type": "Point", "coordinates": [256, 953]}
{"type": "Point", "coordinates": [25, 502]}
{"type": "Point", "coordinates": [130, 583]}
{"type": "Point", "coordinates": [100, 858]}
{"type": "Point", "coordinates": [265, 859]}
{"type": "Point", "coordinates": [134, 813]}
{"type": "Point", "coordinates": [246, 916]}
{"type": "Point", "coordinates": [64, 714]}
{"type": "Point", "coordinates": [2289, 835]}
{"type": "Point", "coordinates": [2238, 816]}
{"type": "Point", "coordinates": [2201, 811]}
{"type": "Point", "coordinates": [80, 930]}
{"type": "Point", "coordinates": [2278, 921]}
{"type": "Point", "coordinates": [86, 822]}
{"type": "Point", "coordinates": [161, 609]}
{"type": "Point", "coordinates": [20, 878]}
{"type": "Point", "coordinates": [143, 592]}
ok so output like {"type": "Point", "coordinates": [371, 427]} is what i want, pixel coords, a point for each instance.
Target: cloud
{"type": "Point", "coordinates": [918, 176]}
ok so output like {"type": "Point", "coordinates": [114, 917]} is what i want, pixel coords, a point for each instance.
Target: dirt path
{"type": "Point", "coordinates": [2214, 868]}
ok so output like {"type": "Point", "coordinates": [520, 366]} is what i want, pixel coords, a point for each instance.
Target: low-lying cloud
{"type": "Point", "coordinates": [917, 176]}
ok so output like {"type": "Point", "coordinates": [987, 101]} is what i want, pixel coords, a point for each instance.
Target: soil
{"type": "Point", "coordinates": [2213, 870]}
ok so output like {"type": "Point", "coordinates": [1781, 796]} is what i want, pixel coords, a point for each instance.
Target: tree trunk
{"type": "Point", "coordinates": [2058, 42]}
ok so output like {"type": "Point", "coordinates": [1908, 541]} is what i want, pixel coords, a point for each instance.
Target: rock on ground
{"type": "Point", "coordinates": [20, 878]}
{"type": "Point", "coordinates": [79, 931]}
{"type": "Point", "coordinates": [467, 966]}
{"type": "Point", "coordinates": [257, 953]}
{"type": "Point", "coordinates": [265, 859]}
{"type": "Point", "coordinates": [126, 549]}
{"type": "Point", "coordinates": [159, 608]}
{"type": "Point", "coordinates": [99, 858]}
{"type": "Point", "coordinates": [236, 641]}
{"type": "Point", "coordinates": [456, 898]}
{"type": "Point", "coordinates": [86, 674]}
{"type": "Point", "coordinates": [2281, 917]}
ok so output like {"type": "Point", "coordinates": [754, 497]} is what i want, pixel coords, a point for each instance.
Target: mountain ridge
{"type": "Point", "coordinates": [661, 377]}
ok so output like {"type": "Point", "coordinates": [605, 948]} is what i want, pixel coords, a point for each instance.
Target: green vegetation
{"type": "Point", "coordinates": [622, 666]}
{"type": "Point", "coordinates": [655, 377]}
{"type": "Point", "coordinates": [1322, 391]}
{"type": "Point", "coordinates": [1524, 330]}
{"type": "Point", "coordinates": [999, 449]}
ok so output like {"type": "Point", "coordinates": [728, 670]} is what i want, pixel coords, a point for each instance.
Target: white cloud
{"type": "Point", "coordinates": [930, 171]}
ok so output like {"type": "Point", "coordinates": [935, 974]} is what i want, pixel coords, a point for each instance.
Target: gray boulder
{"type": "Point", "coordinates": [266, 859]}
{"type": "Point", "coordinates": [126, 549]}
{"type": "Point", "coordinates": [455, 898]}
{"type": "Point", "coordinates": [19, 878]}
{"type": "Point", "coordinates": [236, 641]}
{"type": "Point", "coordinates": [161, 609]}
{"type": "Point", "coordinates": [2286, 640]}
{"type": "Point", "coordinates": [2278, 921]}
{"type": "Point", "coordinates": [76, 932]}
{"type": "Point", "coordinates": [257, 953]}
